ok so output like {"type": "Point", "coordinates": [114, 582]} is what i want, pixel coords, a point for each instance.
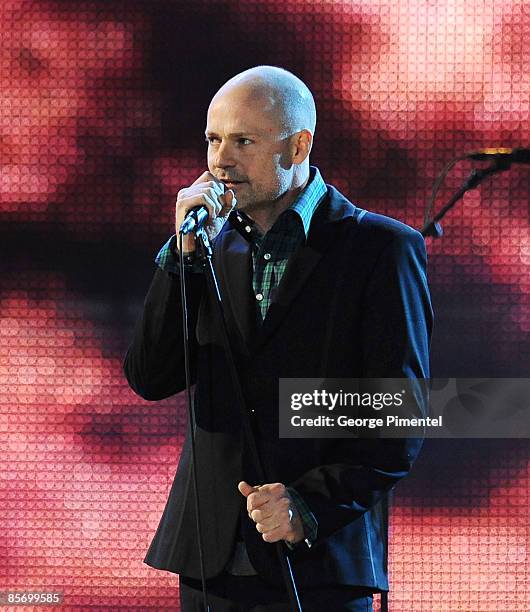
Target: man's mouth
{"type": "Point", "coordinates": [230, 184]}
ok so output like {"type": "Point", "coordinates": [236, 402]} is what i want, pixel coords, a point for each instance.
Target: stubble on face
{"type": "Point", "coordinates": [264, 167]}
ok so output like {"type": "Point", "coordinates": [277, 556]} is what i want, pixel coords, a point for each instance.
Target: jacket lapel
{"type": "Point", "coordinates": [297, 273]}
{"type": "Point", "coordinates": [232, 260]}
{"type": "Point", "coordinates": [234, 273]}
{"type": "Point", "coordinates": [322, 234]}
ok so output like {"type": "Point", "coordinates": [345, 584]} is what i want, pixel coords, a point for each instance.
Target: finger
{"type": "Point", "coordinates": [272, 522]}
{"type": "Point", "coordinates": [209, 180]}
{"type": "Point", "coordinates": [275, 535]}
{"type": "Point", "coordinates": [218, 186]}
{"type": "Point", "coordinates": [273, 511]}
{"type": "Point", "coordinates": [268, 508]}
{"type": "Point", "coordinates": [205, 176]}
{"type": "Point", "coordinates": [272, 491]}
{"type": "Point", "coordinates": [189, 197]}
{"type": "Point", "coordinates": [257, 499]}
{"type": "Point", "coordinates": [245, 489]}
{"type": "Point", "coordinates": [270, 525]}
{"type": "Point", "coordinates": [212, 198]}
{"type": "Point", "coordinates": [205, 198]}
{"type": "Point", "coordinates": [263, 514]}
{"type": "Point", "coordinates": [229, 200]}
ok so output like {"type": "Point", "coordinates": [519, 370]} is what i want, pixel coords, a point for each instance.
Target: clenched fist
{"type": "Point", "coordinates": [205, 191]}
{"type": "Point", "coordinates": [274, 512]}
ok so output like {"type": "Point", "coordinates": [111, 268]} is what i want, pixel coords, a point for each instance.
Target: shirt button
{"type": "Point", "coordinates": [259, 296]}
{"type": "Point", "coordinates": [267, 256]}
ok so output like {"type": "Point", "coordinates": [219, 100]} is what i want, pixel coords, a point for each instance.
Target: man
{"type": "Point", "coordinates": [312, 287]}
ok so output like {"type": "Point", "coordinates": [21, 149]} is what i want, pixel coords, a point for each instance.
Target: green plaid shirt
{"type": "Point", "coordinates": [270, 254]}
{"type": "Point", "coordinates": [271, 251]}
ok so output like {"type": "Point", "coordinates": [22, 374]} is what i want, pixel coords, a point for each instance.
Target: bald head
{"type": "Point", "coordinates": [259, 129]}
{"type": "Point", "coordinates": [279, 93]}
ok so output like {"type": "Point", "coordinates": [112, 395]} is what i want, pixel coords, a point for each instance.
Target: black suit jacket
{"type": "Point", "coordinates": [353, 302]}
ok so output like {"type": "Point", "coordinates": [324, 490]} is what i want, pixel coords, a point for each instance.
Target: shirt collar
{"type": "Point", "coordinates": [309, 198]}
{"type": "Point", "coordinates": [304, 206]}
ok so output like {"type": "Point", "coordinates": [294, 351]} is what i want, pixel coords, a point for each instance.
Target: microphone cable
{"type": "Point", "coordinates": [192, 426]}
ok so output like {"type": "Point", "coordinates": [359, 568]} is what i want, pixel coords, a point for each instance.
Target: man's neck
{"type": "Point", "coordinates": [265, 216]}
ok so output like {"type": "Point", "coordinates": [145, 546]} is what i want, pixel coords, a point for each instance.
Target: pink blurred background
{"type": "Point", "coordinates": [102, 112]}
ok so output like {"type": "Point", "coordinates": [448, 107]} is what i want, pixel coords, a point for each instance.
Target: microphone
{"type": "Point", "coordinates": [514, 156]}
{"type": "Point", "coordinates": [195, 218]}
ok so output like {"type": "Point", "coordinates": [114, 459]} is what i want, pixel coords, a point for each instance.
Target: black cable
{"type": "Point", "coordinates": [204, 250]}
{"type": "Point", "coordinates": [191, 420]}
{"type": "Point", "coordinates": [437, 184]}
{"type": "Point", "coordinates": [431, 225]}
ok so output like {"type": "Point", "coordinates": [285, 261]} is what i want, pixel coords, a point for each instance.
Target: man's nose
{"type": "Point", "coordinates": [224, 157]}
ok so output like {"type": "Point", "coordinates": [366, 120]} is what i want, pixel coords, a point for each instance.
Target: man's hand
{"type": "Point", "coordinates": [268, 506]}
{"type": "Point", "coordinates": [205, 191]}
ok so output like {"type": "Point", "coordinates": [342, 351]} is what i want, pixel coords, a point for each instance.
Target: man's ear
{"type": "Point", "coordinates": [302, 143]}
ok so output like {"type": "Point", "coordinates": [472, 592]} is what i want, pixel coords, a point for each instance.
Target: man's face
{"type": "Point", "coordinates": [247, 149]}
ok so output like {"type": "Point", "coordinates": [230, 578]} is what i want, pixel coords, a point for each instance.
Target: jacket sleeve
{"type": "Point", "coordinates": [154, 363]}
{"type": "Point", "coordinates": [396, 329]}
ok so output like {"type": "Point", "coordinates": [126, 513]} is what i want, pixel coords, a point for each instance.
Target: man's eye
{"type": "Point", "coordinates": [244, 141]}
{"type": "Point", "coordinates": [211, 140]}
